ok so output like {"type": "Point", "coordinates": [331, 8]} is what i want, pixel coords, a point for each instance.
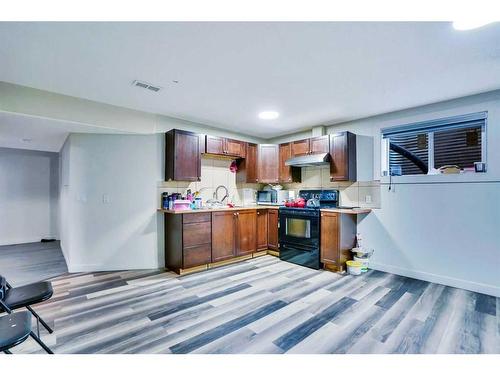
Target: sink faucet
{"type": "Point", "coordinates": [216, 193]}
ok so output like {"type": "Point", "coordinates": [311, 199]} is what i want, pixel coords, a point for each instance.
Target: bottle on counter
{"type": "Point", "coordinates": [164, 200]}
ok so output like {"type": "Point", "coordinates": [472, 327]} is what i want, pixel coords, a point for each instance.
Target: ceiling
{"type": "Point", "coordinates": [312, 73]}
{"type": "Point", "coordinates": [35, 133]}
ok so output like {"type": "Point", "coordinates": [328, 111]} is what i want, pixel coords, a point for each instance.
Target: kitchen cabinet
{"type": "Point", "coordinates": [188, 242]}
{"type": "Point", "coordinates": [337, 238]}
{"type": "Point", "coordinates": [262, 229]}
{"type": "Point", "coordinates": [225, 147]}
{"type": "Point", "coordinates": [247, 167]}
{"type": "Point", "coordinates": [319, 145]}
{"type": "Point", "coordinates": [223, 235]}
{"type": "Point", "coordinates": [267, 164]}
{"type": "Point", "coordinates": [272, 236]}
{"type": "Point", "coordinates": [315, 145]}
{"type": "Point", "coordinates": [300, 148]}
{"type": "Point", "coordinates": [246, 232]}
{"type": "Point", "coordinates": [343, 154]}
{"type": "Point", "coordinates": [182, 156]}
{"type": "Point", "coordinates": [234, 233]}
{"type": "Point", "coordinates": [287, 174]}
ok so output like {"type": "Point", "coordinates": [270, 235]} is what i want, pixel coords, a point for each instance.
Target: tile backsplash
{"type": "Point", "coordinates": [215, 172]}
{"type": "Point", "coordinates": [362, 193]}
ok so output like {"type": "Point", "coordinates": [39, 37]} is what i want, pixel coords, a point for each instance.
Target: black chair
{"type": "Point", "coordinates": [15, 328]}
{"type": "Point", "coordinates": [24, 296]}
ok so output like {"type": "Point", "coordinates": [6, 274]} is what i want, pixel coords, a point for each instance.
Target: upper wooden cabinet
{"type": "Point", "coordinates": [267, 165]}
{"type": "Point", "coordinates": [225, 146]}
{"type": "Point", "coordinates": [300, 148]}
{"type": "Point", "coordinates": [319, 145]}
{"type": "Point", "coordinates": [316, 145]}
{"type": "Point", "coordinates": [214, 145]}
{"type": "Point", "coordinates": [182, 156]}
{"type": "Point", "coordinates": [247, 167]}
{"type": "Point", "coordinates": [287, 174]}
{"type": "Point", "coordinates": [343, 153]}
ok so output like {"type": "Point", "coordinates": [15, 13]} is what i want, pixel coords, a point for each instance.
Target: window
{"type": "Point", "coordinates": [424, 147]}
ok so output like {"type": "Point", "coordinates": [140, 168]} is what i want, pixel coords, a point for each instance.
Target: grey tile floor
{"type": "Point", "coordinates": [264, 305]}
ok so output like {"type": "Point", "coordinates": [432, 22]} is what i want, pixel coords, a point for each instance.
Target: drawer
{"type": "Point", "coordinates": [196, 234]}
{"type": "Point", "coordinates": [196, 218]}
{"type": "Point", "coordinates": [197, 255]}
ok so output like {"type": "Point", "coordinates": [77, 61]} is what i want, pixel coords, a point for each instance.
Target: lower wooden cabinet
{"type": "Point", "coordinates": [338, 237]}
{"type": "Point", "coordinates": [272, 236]}
{"type": "Point", "coordinates": [234, 233]}
{"type": "Point", "coordinates": [195, 239]}
{"type": "Point", "coordinates": [188, 241]}
{"type": "Point", "coordinates": [223, 235]}
{"type": "Point", "coordinates": [246, 232]}
{"type": "Point", "coordinates": [262, 229]}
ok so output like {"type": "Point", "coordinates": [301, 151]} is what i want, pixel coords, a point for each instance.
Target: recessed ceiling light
{"type": "Point", "coordinates": [268, 115]}
{"type": "Point", "coordinates": [469, 24]}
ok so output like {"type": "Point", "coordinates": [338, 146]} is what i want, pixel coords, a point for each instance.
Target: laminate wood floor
{"type": "Point", "coordinates": [26, 263]}
{"type": "Point", "coordinates": [264, 305]}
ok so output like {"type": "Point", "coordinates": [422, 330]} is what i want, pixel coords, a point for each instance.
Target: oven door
{"type": "Point", "coordinates": [299, 237]}
{"type": "Point", "coordinates": [299, 227]}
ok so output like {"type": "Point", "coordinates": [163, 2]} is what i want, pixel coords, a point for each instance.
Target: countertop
{"type": "Point", "coordinates": [256, 207]}
{"type": "Point", "coordinates": [348, 211]}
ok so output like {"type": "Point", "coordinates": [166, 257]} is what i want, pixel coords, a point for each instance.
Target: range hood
{"type": "Point", "coordinates": [313, 160]}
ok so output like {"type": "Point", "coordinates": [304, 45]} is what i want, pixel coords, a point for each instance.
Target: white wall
{"type": "Point", "coordinates": [444, 229]}
{"type": "Point", "coordinates": [28, 196]}
{"type": "Point", "coordinates": [110, 211]}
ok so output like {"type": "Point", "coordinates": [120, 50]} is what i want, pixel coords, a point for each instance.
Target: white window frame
{"type": "Point", "coordinates": [384, 150]}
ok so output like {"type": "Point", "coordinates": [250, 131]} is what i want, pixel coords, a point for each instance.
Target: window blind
{"type": "Point", "coordinates": [471, 120]}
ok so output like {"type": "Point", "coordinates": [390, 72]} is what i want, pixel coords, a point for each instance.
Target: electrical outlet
{"type": "Point", "coordinates": [105, 198]}
{"type": "Point", "coordinates": [368, 199]}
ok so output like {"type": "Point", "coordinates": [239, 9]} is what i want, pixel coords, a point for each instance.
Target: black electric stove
{"type": "Point", "coordinates": [300, 228]}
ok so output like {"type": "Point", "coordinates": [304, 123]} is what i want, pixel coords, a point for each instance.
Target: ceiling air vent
{"type": "Point", "coordinates": [146, 85]}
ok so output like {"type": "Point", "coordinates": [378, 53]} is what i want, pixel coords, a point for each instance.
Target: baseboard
{"type": "Point", "coordinates": [21, 241]}
{"type": "Point", "coordinates": [491, 290]}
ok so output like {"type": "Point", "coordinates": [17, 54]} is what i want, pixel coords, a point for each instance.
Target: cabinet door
{"type": "Point", "coordinates": [262, 229]}
{"type": "Point", "coordinates": [343, 153]}
{"type": "Point", "coordinates": [320, 145]}
{"type": "Point", "coordinates": [272, 237]}
{"type": "Point", "coordinates": [285, 173]}
{"type": "Point", "coordinates": [247, 167]}
{"type": "Point", "coordinates": [300, 147]}
{"type": "Point", "coordinates": [268, 164]}
{"type": "Point", "coordinates": [223, 235]}
{"type": "Point", "coordinates": [196, 255]}
{"type": "Point", "coordinates": [246, 230]}
{"type": "Point", "coordinates": [182, 156]}
{"type": "Point", "coordinates": [251, 163]}
{"type": "Point", "coordinates": [235, 148]}
{"type": "Point", "coordinates": [330, 241]}
{"type": "Point", "coordinates": [214, 145]}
